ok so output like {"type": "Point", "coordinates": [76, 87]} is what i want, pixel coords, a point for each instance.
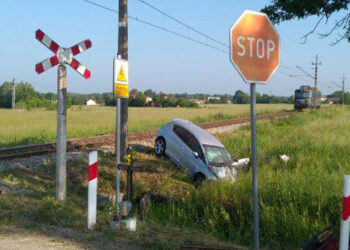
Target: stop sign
{"type": "Point", "coordinates": [254, 47]}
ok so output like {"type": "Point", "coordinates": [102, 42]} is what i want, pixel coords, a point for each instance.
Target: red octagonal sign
{"type": "Point", "coordinates": [254, 47]}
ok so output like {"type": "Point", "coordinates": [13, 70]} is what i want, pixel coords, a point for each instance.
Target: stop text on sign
{"type": "Point", "coordinates": [258, 48]}
{"type": "Point", "coordinates": [254, 47]}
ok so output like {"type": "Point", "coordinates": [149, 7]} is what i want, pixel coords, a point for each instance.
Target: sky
{"type": "Point", "coordinates": [157, 59]}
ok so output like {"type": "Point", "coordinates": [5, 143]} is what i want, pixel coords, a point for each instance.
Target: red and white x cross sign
{"type": "Point", "coordinates": [62, 55]}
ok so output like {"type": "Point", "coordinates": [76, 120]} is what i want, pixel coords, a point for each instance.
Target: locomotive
{"type": "Point", "coordinates": [307, 97]}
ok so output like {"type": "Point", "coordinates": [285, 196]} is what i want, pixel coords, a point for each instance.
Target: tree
{"type": "Point", "coordinates": [5, 94]}
{"type": "Point", "coordinates": [150, 93]}
{"type": "Point", "coordinates": [25, 92]}
{"type": "Point", "coordinates": [50, 96]}
{"type": "Point", "coordinates": [139, 101]}
{"type": "Point", "coordinates": [109, 99]}
{"type": "Point", "coordinates": [339, 95]}
{"type": "Point", "coordinates": [183, 102]}
{"type": "Point", "coordinates": [240, 97]}
{"type": "Point", "coordinates": [284, 10]}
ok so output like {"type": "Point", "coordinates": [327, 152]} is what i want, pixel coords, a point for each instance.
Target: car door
{"type": "Point", "coordinates": [177, 145]}
{"type": "Point", "coordinates": [188, 144]}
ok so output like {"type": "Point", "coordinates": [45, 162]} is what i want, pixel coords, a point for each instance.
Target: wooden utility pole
{"type": "Point", "coordinates": [123, 52]}
{"type": "Point", "coordinates": [343, 88]}
{"type": "Point", "coordinates": [121, 132]}
{"type": "Point", "coordinates": [316, 64]}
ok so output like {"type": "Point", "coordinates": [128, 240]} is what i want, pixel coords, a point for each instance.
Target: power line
{"type": "Point", "coordinates": [101, 6]}
{"type": "Point", "coordinates": [305, 72]}
{"type": "Point", "coordinates": [229, 10]}
{"type": "Point", "coordinates": [182, 23]}
{"type": "Point", "coordinates": [159, 27]}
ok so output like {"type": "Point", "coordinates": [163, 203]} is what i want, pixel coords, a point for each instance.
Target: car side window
{"type": "Point", "coordinates": [189, 140]}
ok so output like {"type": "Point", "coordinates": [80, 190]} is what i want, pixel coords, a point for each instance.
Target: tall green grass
{"type": "Point", "coordinates": [296, 200]}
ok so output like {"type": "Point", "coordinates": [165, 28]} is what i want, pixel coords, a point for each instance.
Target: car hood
{"type": "Point", "coordinates": [225, 172]}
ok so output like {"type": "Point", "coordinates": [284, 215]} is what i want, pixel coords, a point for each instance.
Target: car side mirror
{"type": "Point", "coordinates": [196, 154]}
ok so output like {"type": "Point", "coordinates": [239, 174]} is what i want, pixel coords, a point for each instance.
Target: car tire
{"type": "Point", "coordinates": [160, 146]}
{"type": "Point", "coordinates": [198, 179]}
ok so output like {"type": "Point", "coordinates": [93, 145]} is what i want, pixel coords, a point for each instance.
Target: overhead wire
{"type": "Point", "coordinates": [182, 23]}
{"type": "Point", "coordinates": [159, 27]}
{"type": "Point", "coordinates": [188, 37]}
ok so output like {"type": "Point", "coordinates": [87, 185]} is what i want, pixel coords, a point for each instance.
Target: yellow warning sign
{"type": "Point", "coordinates": [121, 76]}
{"type": "Point", "coordinates": [121, 90]}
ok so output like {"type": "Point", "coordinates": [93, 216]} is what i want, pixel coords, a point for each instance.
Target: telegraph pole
{"type": "Point", "coordinates": [13, 99]}
{"type": "Point", "coordinates": [343, 88]}
{"type": "Point", "coordinates": [121, 135]}
{"type": "Point", "coordinates": [123, 52]}
{"type": "Point", "coordinates": [316, 64]}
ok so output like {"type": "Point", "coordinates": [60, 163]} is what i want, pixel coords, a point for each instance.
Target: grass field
{"type": "Point", "coordinates": [296, 200]}
{"type": "Point", "coordinates": [23, 127]}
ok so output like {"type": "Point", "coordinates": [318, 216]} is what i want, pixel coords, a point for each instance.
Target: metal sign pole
{"type": "Point", "coordinates": [255, 164]}
{"type": "Point", "coordinates": [61, 134]}
{"type": "Point", "coordinates": [117, 152]}
{"type": "Point", "coordinates": [120, 90]}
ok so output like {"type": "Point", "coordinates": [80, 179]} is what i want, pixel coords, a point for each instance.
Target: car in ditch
{"type": "Point", "coordinates": [194, 149]}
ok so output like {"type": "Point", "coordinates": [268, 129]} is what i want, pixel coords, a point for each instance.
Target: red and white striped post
{"type": "Point", "coordinates": [345, 220]}
{"type": "Point", "coordinates": [92, 189]}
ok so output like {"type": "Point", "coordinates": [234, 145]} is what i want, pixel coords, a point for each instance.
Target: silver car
{"type": "Point", "coordinates": [194, 149]}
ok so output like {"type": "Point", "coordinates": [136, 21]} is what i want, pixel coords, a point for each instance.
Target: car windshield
{"type": "Point", "coordinates": [216, 155]}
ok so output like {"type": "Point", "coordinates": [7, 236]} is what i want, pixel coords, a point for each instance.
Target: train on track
{"type": "Point", "coordinates": [307, 97]}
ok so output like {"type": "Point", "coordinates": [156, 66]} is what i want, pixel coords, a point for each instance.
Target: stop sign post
{"type": "Point", "coordinates": [255, 53]}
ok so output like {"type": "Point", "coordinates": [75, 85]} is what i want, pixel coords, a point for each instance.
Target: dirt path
{"type": "Point", "coordinates": [52, 237]}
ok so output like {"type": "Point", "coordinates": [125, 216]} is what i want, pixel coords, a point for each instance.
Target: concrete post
{"type": "Point", "coordinates": [61, 149]}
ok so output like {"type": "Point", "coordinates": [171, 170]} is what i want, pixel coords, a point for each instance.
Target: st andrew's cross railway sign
{"type": "Point", "coordinates": [62, 55]}
{"type": "Point", "coordinates": [254, 47]}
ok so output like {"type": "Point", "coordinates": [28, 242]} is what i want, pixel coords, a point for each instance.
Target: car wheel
{"type": "Point", "coordinates": [160, 146]}
{"type": "Point", "coordinates": [198, 179]}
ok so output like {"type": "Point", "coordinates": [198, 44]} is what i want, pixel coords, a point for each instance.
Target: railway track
{"type": "Point", "coordinates": [109, 139]}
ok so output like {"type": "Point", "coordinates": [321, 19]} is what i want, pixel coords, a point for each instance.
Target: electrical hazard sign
{"type": "Point", "coordinates": [120, 78]}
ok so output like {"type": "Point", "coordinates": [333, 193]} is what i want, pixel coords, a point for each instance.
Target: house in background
{"type": "Point", "coordinates": [197, 101]}
{"type": "Point", "coordinates": [214, 98]}
{"type": "Point", "coordinates": [148, 99]}
{"type": "Point", "coordinates": [90, 102]}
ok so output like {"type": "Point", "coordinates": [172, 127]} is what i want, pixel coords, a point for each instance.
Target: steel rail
{"type": "Point", "coordinates": [22, 151]}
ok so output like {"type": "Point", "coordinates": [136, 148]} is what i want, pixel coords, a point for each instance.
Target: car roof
{"type": "Point", "coordinates": [201, 135]}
